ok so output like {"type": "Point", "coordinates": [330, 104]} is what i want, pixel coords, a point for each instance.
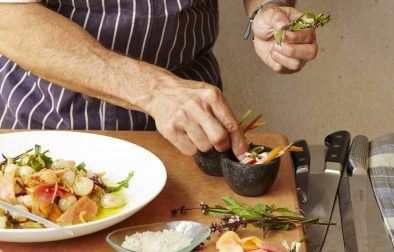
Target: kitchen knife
{"type": "Point", "coordinates": [301, 161]}
{"type": "Point", "coordinates": [321, 200]}
{"type": "Point", "coordinates": [363, 227]}
{"type": "Point", "coordinates": [353, 197]}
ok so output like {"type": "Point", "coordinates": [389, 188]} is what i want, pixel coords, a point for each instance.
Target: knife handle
{"type": "Point", "coordinates": [301, 158]}
{"type": "Point", "coordinates": [338, 145]}
{"type": "Point", "coordinates": [358, 156]}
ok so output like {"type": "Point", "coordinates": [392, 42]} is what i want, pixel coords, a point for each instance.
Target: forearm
{"type": "Point", "coordinates": [60, 51]}
{"type": "Point", "coordinates": [250, 5]}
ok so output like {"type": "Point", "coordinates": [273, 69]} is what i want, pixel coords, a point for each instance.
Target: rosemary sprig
{"type": "Point", "coordinates": [263, 216]}
{"type": "Point", "coordinates": [305, 20]}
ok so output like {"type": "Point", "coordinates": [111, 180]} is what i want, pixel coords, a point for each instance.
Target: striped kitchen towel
{"type": "Point", "coordinates": [381, 171]}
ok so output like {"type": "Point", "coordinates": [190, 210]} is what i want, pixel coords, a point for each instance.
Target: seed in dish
{"type": "Point", "coordinates": [58, 190]}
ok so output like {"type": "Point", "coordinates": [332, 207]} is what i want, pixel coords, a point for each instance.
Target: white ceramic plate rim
{"type": "Point", "coordinates": [123, 213]}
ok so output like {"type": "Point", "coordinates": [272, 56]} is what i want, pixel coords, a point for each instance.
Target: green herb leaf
{"type": "Point", "coordinates": [278, 36]}
{"type": "Point", "coordinates": [244, 212]}
{"type": "Point", "coordinates": [37, 149]}
{"type": "Point", "coordinates": [309, 222]}
{"type": "Point", "coordinates": [81, 167]}
{"type": "Point", "coordinates": [47, 160]}
{"type": "Point", "coordinates": [305, 20]}
{"type": "Point", "coordinates": [287, 212]}
{"type": "Point", "coordinates": [36, 165]}
{"type": "Point", "coordinates": [216, 212]}
{"type": "Point", "coordinates": [121, 184]}
{"type": "Point", "coordinates": [230, 201]}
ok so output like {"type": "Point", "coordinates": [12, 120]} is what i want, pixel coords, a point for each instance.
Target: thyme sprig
{"type": "Point", "coordinates": [305, 20]}
{"type": "Point", "coordinates": [263, 216]}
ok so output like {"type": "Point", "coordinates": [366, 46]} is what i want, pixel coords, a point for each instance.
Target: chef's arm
{"type": "Point", "coordinates": [297, 48]}
{"type": "Point", "coordinates": [192, 115]}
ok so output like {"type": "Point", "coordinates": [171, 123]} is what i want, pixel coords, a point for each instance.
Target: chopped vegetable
{"type": "Point", "coordinates": [258, 156]}
{"type": "Point", "coordinates": [252, 125]}
{"type": "Point", "coordinates": [82, 167]}
{"type": "Point", "coordinates": [56, 190]}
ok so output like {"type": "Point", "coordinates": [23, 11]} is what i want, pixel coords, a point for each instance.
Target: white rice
{"type": "Point", "coordinates": [168, 240]}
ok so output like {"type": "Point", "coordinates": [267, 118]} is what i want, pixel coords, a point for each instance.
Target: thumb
{"type": "Point", "coordinates": [279, 19]}
{"type": "Point", "coordinates": [269, 21]}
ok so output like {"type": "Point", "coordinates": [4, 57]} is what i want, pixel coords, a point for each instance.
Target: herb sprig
{"type": "Point", "coordinates": [305, 20]}
{"type": "Point", "coordinates": [37, 160]}
{"type": "Point", "coordinates": [121, 184]}
{"type": "Point", "coordinates": [263, 216]}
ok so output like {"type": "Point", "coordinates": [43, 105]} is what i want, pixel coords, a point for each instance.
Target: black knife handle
{"type": "Point", "coordinates": [301, 158]}
{"type": "Point", "coordinates": [338, 145]}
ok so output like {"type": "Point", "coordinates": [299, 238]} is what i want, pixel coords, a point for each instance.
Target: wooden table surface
{"type": "Point", "coordinates": [186, 184]}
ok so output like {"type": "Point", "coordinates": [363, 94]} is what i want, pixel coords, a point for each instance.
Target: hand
{"type": "Point", "coordinates": [195, 116]}
{"type": "Point", "coordinates": [297, 47]}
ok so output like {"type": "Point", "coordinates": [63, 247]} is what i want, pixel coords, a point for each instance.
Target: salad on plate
{"type": "Point", "coordinates": [59, 190]}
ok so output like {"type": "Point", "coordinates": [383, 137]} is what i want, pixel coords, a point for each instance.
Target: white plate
{"type": "Point", "coordinates": [100, 153]}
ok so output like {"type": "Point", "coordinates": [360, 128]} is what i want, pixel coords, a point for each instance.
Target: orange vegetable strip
{"type": "Point", "coordinates": [272, 154]}
{"type": "Point", "coordinates": [256, 125]}
{"type": "Point", "coordinates": [252, 122]}
{"type": "Point", "coordinates": [296, 149]}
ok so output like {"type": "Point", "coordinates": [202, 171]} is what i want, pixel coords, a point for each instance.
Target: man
{"type": "Point", "coordinates": [91, 64]}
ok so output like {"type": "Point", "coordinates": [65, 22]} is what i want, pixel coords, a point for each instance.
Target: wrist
{"type": "Point", "coordinates": [258, 9]}
{"type": "Point", "coordinates": [145, 92]}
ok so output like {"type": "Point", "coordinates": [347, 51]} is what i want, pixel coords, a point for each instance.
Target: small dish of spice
{"type": "Point", "coordinates": [176, 236]}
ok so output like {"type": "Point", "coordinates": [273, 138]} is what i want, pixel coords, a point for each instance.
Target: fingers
{"type": "Point", "coordinates": [287, 62]}
{"type": "Point", "coordinates": [214, 132]}
{"type": "Point", "coordinates": [198, 118]}
{"type": "Point", "coordinates": [224, 114]}
{"type": "Point", "coordinates": [304, 36]}
{"type": "Point", "coordinates": [180, 140]}
{"type": "Point", "coordinates": [296, 51]}
{"type": "Point", "coordinates": [197, 135]}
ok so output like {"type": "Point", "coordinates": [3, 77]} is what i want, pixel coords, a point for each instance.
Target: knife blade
{"type": "Point", "coordinates": [353, 197]}
{"type": "Point", "coordinates": [363, 227]}
{"type": "Point", "coordinates": [322, 200]}
{"type": "Point", "coordinates": [301, 161]}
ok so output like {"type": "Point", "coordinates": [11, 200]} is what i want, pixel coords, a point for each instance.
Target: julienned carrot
{"type": "Point", "coordinates": [279, 151]}
{"type": "Point", "coordinates": [256, 125]}
{"type": "Point", "coordinates": [296, 149]}
{"type": "Point", "coordinates": [252, 122]}
{"type": "Point", "coordinates": [272, 154]}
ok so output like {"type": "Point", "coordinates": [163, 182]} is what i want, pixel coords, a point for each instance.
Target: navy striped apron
{"type": "Point", "coordinates": [174, 34]}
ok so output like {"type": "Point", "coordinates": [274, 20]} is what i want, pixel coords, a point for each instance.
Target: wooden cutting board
{"type": "Point", "coordinates": [187, 185]}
